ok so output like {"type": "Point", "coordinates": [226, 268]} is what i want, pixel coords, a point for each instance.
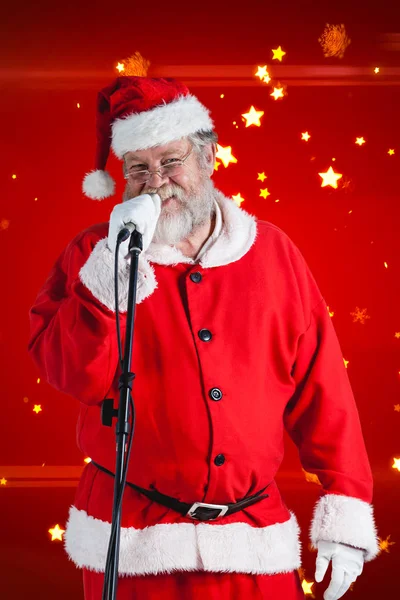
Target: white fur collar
{"type": "Point", "coordinates": [238, 233]}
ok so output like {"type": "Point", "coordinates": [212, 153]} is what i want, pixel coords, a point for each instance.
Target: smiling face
{"type": "Point", "coordinates": [187, 193]}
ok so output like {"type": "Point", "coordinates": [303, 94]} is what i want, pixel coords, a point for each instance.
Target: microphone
{"type": "Point", "coordinates": [126, 232]}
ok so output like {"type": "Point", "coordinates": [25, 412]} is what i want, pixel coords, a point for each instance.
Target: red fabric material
{"type": "Point", "coordinates": [198, 586]}
{"type": "Point", "coordinates": [274, 354]}
{"type": "Point", "coordinates": [126, 96]}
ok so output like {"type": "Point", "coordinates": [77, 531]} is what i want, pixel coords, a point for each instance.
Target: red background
{"type": "Point", "coordinates": [55, 55]}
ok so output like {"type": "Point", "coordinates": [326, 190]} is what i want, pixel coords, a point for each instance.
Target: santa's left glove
{"type": "Point", "coordinates": [347, 565]}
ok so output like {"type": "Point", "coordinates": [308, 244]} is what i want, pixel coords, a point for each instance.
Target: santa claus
{"type": "Point", "coordinates": [233, 345]}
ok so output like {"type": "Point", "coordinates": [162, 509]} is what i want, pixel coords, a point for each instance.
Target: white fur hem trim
{"type": "Point", "coordinates": [164, 548]}
{"type": "Point", "coordinates": [346, 520]}
{"type": "Point", "coordinates": [97, 274]}
{"type": "Point", "coordinates": [159, 125]}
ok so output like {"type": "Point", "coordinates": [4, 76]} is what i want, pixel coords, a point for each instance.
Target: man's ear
{"type": "Point", "coordinates": [210, 152]}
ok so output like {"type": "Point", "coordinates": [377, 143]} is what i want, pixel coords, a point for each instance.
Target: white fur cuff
{"type": "Point", "coordinates": [346, 520]}
{"type": "Point", "coordinates": [97, 274]}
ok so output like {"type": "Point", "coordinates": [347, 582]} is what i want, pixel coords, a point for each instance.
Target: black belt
{"type": "Point", "coordinates": [200, 511]}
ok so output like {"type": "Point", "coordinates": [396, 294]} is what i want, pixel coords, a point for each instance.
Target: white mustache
{"type": "Point", "coordinates": [167, 191]}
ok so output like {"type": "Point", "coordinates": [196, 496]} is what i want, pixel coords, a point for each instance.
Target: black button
{"type": "Point", "coordinates": [205, 335]}
{"type": "Point", "coordinates": [215, 394]}
{"type": "Point", "coordinates": [196, 277]}
{"type": "Point", "coordinates": [219, 460]}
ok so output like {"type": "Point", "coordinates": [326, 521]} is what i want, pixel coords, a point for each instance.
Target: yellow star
{"type": "Point", "coordinates": [261, 176]}
{"type": "Point", "coordinates": [305, 136]}
{"type": "Point", "coordinates": [37, 408]}
{"type": "Point", "coordinates": [391, 151]}
{"type": "Point", "coordinates": [277, 93]}
{"type": "Point", "coordinates": [238, 199]}
{"type": "Point", "coordinates": [397, 407]}
{"type": "Point", "coordinates": [307, 585]}
{"type": "Point", "coordinates": [346, 362]}
{"type": "Point", "coordinates": [56, 533]}
{"type": "Point", "coordinates": [396, 464]}
{"type": "Point", "coordinates": [397, 335]}
{"type": "Point", "coordinates": [216, 165]}
{"type": "Point", "coordinates": [253, 117]}
{"type": "Point", "coordinates": [264, 193]}
{"type": "Point", "coordinates": [120, 67]}
{"type": "Point", "coordinates": [267, 79]}
{"type": "Point", "coordinates": [3, 481]}
{"type": "Point", "coordinates": [384, 545]}
{"type": "Point", "coordinates": [225, 154]}
{"type": "Point", "coordinates": [278, 54]}
{"type": "Point", "coordinates": [376, 70]}
{"type": "Point", "coordinates": [360, 141]}
{"type": "Point", "coordinates": [262, 72]}
{"type": "Point", "coordinates": [330, 178]}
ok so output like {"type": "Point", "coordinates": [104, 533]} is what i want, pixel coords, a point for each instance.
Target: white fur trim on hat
{"type": "Point", "coordinates": [98, 185]}
{"type": "Point", "coordinates": [160, 125]}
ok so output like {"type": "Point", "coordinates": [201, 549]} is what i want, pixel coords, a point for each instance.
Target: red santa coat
{"type": "Point", "coordinates": [210, 409]}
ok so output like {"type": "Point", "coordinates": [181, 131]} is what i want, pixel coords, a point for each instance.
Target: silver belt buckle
{"type": "Point", "coordinates": [222, 507]}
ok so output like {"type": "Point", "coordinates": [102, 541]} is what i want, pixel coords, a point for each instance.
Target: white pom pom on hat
{"type": "Point", "coordinates": [135, 113]}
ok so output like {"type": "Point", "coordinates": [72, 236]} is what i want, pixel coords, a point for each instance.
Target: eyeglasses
{"type": "Point", "coordinates": [168, 170]}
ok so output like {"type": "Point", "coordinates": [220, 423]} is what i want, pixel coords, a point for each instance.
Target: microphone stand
{"type": "Point", "coordinates": [122, 414]}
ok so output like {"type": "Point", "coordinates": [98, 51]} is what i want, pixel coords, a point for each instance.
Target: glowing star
{"type": "Point", "coordinates": [37, 408]}
{"type": "Point", "coordinates": [385, 544]}
{"type": "Point", "coordinates": [87, 460]}
{"type": "Point", "coordinates": [261, 176]}
{"type": "Point", "coordinates": [311, 477]}
{"type": "Point", "coordinates": [264, 193]}
{"type": "Point", "coordinates": [120, 67]}
{"type": "Point", "coordinates": [391, 151]}
{"type": "Point", "coordinates": [13, 176]}
{"type": "Point", "coordinates": [346, 362]}
{"type": "Point", "coordinates": [222, 96]}
{"type": "Point", "coordinates": [238, 199]}
{"type": "Point", "coordinates": [385, 265]}
{"type": "Point", "coordinates": [305, 136]}
{"type": "Point", "coordinates": [307, 585]}
{"type": "Point", "coordinates": [262, 72]}
{"type": "Point", "coordinates": [38, 380]}
{"type": "Point", "coordinates": [330, 178]}
{"type": "Point", "coordinates": [56, 533]}
{"type": "Point", "coordinates": [278, 54]}
{"type": "Point", "coordinates": [277, 93]}
{"type": "Point", "coordinates": [360, 141]}
{"type": "Point", "coordinates": [334, 40]}
{"type": "Point", "coordinates": [397, 407]}
{"type": "Point", "coordinates": [360, 315]}
{"type": "Point", "coordinates": [225, 154]}
{"type": "Point", "coordinates": [376, 70]}
{"type": "Point", "coordinates": [253, 117]}
{"type": "Point", "coordinates": [396, 464]}
{"type": "Point", "coordinates": [267, 79]}
{"type": "Point", "coordinates": [216, 165]}
{"type": "Point", "coordinates": [397, 335]}
{"type": "Point", "coordinates": [3, 481]}
{"type": "Point", "coordinates": [78, 105]}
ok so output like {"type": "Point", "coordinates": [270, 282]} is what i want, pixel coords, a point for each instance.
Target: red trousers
{"type": "Point", "coordinates": [198, 585]}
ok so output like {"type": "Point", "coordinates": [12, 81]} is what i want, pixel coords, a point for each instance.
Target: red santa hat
{"type": "Point", "coordinates": [135, 113]}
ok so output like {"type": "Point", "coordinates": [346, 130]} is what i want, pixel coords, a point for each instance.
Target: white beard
{"type": "Point", "coordinates": [191, 210]}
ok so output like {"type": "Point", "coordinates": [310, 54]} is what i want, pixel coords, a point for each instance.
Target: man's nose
{"type": "Point", "coordinates": [156, 180]}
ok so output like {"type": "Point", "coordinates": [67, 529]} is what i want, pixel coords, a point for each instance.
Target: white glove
{"type": "Point", "coordinates": [143, 211]}
{"type": "Point", "coordinates": [347, 565]}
